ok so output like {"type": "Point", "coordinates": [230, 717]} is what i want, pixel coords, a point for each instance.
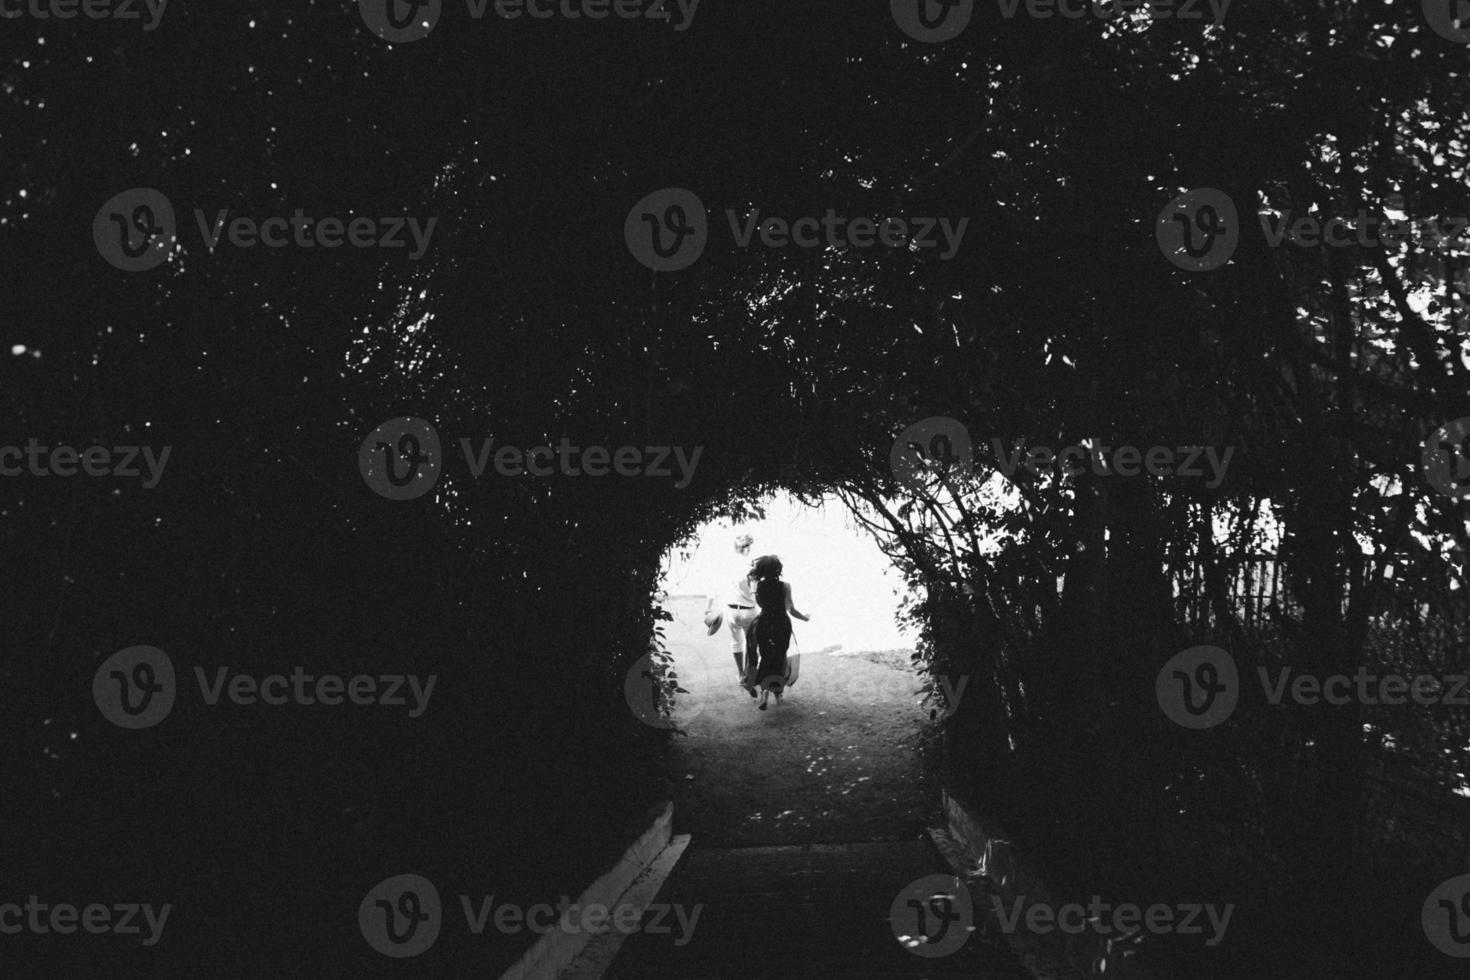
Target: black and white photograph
{"type": "Point", "coordinates": [735, 490]}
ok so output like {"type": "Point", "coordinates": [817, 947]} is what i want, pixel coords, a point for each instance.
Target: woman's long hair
{"type": "Point", "coordinates": [766, 566]}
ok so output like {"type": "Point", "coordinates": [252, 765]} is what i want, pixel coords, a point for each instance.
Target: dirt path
{"type": "Point", "coordinates": [807, 823]}
{"type": "Point", "coordinates": [836, 762]}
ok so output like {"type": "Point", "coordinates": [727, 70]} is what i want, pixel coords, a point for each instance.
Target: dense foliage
{"type": "Point", "coordinates": [527, 320]}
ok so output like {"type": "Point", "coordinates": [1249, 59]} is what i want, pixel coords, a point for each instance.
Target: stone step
{"type": "Point", "coordinates": [809, 912]}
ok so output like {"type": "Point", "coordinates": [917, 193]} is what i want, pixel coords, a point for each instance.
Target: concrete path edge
{"type": "Point", "coordinates": [556, 949]}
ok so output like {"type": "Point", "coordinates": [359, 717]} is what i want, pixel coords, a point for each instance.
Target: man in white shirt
{"type": "Point", "coordinates": [738, 598]}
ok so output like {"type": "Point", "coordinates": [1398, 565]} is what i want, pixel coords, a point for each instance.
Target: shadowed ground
{"type": "Point", "coordinates": [835, 762]}
{"type": "Point", "coordinates": [807, 820]}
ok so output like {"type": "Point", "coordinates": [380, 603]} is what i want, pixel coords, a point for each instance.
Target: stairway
{"type": "Point", "coordinates": [813, 912]}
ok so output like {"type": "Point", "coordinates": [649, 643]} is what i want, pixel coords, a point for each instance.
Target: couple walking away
{"type": "Point", "coordinates": [759, 612]}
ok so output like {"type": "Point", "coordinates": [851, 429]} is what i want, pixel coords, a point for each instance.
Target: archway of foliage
{"type": "Point", "coordinates": [528, 321]}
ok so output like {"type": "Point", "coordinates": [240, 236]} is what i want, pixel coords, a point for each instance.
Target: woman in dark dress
{"type": "Point", "coordinates": [769, 636]}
